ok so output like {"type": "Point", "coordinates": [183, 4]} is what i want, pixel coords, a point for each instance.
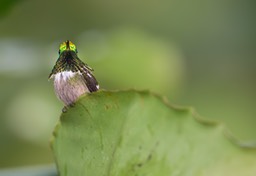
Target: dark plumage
{"type": "Point", "coordinates": [72, 77]}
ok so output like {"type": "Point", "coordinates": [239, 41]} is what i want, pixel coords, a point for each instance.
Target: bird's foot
{"type": "Point", "coordinates": [64, 109]}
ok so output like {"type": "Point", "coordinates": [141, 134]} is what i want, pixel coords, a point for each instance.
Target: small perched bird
{"type": "Point", "coordinates": [71, 76]}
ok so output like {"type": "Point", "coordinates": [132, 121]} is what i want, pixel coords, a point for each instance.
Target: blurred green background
{"type": "Point", "coordinates": [197, 53]}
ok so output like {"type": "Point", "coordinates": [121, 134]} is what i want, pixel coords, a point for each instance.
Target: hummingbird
{"type": "Point", "coordinates": [71, 76]}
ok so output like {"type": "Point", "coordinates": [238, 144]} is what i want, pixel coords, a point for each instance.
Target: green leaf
{"type": "Point", "coordinates": [131, 133]}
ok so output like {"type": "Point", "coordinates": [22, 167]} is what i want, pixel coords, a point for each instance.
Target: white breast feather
{"type": "Point", "coordinates": [65, 75]}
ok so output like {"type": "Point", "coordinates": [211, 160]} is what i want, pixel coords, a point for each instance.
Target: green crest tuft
{"type": "Point", "coordinates": [67, 46]}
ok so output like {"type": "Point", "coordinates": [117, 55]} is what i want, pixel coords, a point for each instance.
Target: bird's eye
{"type": "Point", "coordinates": [62, 48]}
{"type": "Point", "coordinates": [72, 47]}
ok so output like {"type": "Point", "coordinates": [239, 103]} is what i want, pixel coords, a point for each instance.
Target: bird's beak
{"type": "Point", "coordinates": [67, 44]}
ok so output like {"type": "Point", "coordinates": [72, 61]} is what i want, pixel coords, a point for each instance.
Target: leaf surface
{"type": "Point", "coordinates": [131, 133]}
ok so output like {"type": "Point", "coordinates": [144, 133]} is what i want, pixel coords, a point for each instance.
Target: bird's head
{"type": "Point", "coordinates": [67, 46]}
